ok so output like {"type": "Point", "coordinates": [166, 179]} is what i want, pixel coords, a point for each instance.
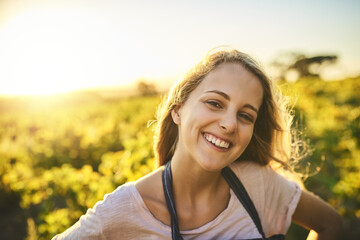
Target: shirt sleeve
{"type": "Point", "coordinates": [88, 227]}
{"type": "Point", "coordinates": [275, 197]}
{"type": "Point", "coordinates": [98, 219]}
{"type": "Point", "coordinates": [281, 199]}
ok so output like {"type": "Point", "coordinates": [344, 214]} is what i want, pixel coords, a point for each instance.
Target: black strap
{"type": "Point", "coordinates": [243, 196]}
{"type": "Point", "coordinates": [167, 185]}
{"type": "Point", "coordinates": [234, 184]}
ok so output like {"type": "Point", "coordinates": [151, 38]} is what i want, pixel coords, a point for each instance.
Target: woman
{"type": "Point", "coordinates": [218, 132]}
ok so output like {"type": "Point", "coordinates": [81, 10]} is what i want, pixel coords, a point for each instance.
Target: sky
{"type": "Point", "coordinates": [64, 45]}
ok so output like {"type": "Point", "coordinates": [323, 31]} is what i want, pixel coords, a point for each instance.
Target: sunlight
{"type": "Point", "coordinates": [63, 54]}
{"type": "Point", "coordinates": [44, 69]}
{"type": "Point", "coordinates": [39, 61]}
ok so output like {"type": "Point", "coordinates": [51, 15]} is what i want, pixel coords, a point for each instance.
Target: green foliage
{"type": "Point", "coordinates": [59, 158]}
{"type": "Point", "coordinates": [329, 113]}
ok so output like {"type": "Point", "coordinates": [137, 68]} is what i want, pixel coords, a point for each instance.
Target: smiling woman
{"type": "Point", "coordinates": [215, 140]}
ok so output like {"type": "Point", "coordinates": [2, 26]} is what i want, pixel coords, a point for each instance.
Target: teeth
{"type": "Point", "coordinates": [217, 142]}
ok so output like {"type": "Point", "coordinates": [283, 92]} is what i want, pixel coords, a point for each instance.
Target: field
{"type": "Point", "coordinates": [60, 155]}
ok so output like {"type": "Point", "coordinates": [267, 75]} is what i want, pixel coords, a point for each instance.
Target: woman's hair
{"type": "Point", "coordinates": [271, 137]}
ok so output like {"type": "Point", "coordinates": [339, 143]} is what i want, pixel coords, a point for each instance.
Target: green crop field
{"type": "Point", "coordinates": [59, 156]}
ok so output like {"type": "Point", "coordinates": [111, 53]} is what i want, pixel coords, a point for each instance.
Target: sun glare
{"type": "Point", "coordinates": [37, 60]}
{"type": "Point", "coordinates": [53, 50]}
{"type": "Point", "coordinates": [43, 69]}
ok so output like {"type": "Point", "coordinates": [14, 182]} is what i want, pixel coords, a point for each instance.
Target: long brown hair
{"type": "Point", "coordinates": [271, 128]}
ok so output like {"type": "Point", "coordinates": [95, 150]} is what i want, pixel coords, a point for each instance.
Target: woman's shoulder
{"type": "Point", "coordinates": [247, 168]}
{"type": "Point", "coordinates": [103, 216]}
{"type": "Point", "coordinates": [123, 198]}
{"type": "Point", "coordinates": [150, 189]}
{"type": "Point", "coordinates": [247, 164]}
{"type": "Point", "coordinates": [149, 182]}
{"type": "Point", "coordinates": [150, 186]}
{"type": "Point", "coordinates": [121, 193]}
{"type": "Point", "coordinates": [274, 196]}
{"type": "Point", "coordinates": [255, 173]}
{"type": "Point", "coordinates": [264, 184]}
{"type": "Point", "coordinates": [132, 192]}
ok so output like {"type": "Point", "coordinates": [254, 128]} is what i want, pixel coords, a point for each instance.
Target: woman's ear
{"type": "Point", "coordinates": [175, 114]}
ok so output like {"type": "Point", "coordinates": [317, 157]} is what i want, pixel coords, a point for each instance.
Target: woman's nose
{"type": "Point", "coordinates": [228, 123]}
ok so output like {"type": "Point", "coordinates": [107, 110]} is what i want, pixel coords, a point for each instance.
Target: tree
{"type": "Point", "coordinates": [146, 88]}
{"type": "Point", "coordinates": [302, 65]}
{"type": "Point", "coordinates": [311, 66]}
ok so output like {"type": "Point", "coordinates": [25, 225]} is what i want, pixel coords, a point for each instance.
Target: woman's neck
{"type": "Point", "coordinates": [192, 184]}
{"type": "Point", "coordinates": [200, 196]}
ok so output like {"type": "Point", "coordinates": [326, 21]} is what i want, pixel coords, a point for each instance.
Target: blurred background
{"type": "Point", "coordinates": [80, 80]}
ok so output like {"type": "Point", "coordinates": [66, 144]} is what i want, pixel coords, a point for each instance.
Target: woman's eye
{"type": "Point", "coordinates": [214, 104]}
{"type": "Point", "coordinates": [246, 117]}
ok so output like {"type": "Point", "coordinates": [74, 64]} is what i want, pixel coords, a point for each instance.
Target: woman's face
{"type": "Point", "coordinates": [216, 122]}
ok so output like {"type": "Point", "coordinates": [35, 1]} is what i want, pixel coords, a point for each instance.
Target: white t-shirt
{"type": "Point", "coordinates": [123, 214]}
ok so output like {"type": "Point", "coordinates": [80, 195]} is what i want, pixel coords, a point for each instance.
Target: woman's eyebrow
{"type": "Point", "coordinates": [220, 93]}
{"type": "Point", "coordinates": [251, 107]}
{"type": "Point", "coordinates": [227, 97]}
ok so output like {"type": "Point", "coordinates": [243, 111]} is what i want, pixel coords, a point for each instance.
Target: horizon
{"type": "Point", "coordinates": [118, 91]}
{"type": "Point", "coordinates": [112, 43]}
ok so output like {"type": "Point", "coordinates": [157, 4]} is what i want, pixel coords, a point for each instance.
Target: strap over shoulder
{"type": "Point", "coordinates": [234, 183]}
{"type": "Point", "coordinates": [167, 186]}
{"type": "Point", "coordinates": [243, 197]}
{"type": "Point", "coordinates": [241, 193]}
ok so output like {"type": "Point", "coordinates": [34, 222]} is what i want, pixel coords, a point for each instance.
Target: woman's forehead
{"type": "Point", "coordinates": [232, 79]}
{"type": "Point", "coordinates": [231, 75]}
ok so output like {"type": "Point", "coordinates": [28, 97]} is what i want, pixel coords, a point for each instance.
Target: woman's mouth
{"type": "Point", "coordinates": [218, 142]}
